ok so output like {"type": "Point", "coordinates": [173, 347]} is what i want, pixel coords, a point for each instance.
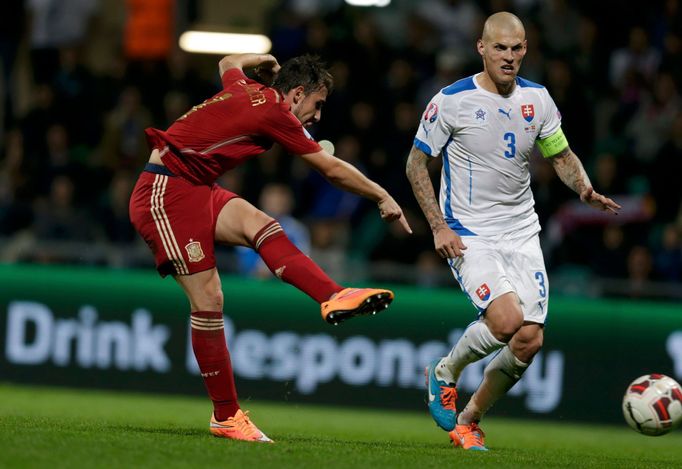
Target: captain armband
{"type": "Point", "coordinates": [553, 144]}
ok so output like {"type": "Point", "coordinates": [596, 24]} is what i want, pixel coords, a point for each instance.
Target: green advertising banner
{"type": "Point", "coordinates": [130, 330]}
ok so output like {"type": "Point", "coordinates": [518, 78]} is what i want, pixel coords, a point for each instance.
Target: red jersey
{"type": "Point", "coordinates": [240, 122]}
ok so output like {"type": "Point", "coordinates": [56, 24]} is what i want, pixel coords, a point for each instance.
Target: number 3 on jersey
{"type": "Point", "coordinates": [510, 138]}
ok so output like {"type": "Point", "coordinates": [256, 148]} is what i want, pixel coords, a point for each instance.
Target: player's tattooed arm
{"type": "Point", "coordinates": [570, 170]}
{"type": "Point", "coordinates": [447, 243]}
{"type": "Point", "coordinates": [418, 175]}
{"type": "Point", "coordinates": [572, 173]}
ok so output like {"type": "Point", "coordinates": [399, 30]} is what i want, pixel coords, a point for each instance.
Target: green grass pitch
{"type": "Point", "coordinates": [51, 427]}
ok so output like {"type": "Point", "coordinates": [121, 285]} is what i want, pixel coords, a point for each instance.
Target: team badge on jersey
{"type": "Point", "coordinates": [194, 251]}
{"type": "Point", "coordinates": [483, 292]}
{"type": "Point", "coordinates": [528, 112]}
{"type": "Point", "coordinates": [430, 116]}
{"type": "Point", "coordinates": [480, 114]}
{"type": "Point", "coordinates": [431, 113]}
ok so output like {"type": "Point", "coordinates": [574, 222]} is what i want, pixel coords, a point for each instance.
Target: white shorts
{"type": "Point", "coordinates": [492, 267]}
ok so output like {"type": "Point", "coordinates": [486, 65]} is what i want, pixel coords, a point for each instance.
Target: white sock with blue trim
{"type": "Point", "coordinates": [477, 342]}
{"type": "Point", "coordinates": [499, 376]}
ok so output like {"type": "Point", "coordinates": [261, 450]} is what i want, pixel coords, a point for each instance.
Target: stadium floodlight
{"type": "Point", "coordinates": [207, 42]}
{"type": "Point", "coordinates": [368, 3]}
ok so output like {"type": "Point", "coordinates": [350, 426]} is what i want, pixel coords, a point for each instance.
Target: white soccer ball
{"type": "Point", "coordinates": [652, 404]}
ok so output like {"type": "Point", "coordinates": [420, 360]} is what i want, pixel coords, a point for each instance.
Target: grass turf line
{"type": "Point", "coordinates": [53, 427]}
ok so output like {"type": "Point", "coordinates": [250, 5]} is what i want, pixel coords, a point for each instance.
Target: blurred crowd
{"type": "Point", "coordinates": [72, 147]}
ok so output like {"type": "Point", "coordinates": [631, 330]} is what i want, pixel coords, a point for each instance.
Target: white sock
{"type": "Point", "coordinates": [477, 342]}
{"type": "Point", "coordinates": [499, 376]}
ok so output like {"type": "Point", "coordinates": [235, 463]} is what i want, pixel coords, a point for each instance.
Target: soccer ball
{"type": "Point", "coordinates": [652, 404]}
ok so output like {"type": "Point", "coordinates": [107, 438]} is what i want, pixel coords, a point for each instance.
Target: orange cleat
{"type": "Point", "coordinates": [239, 427]}
{"type": "Point", "coordinates": [351, 302]}
{"type": "Point", "coordinates": [468, 437]}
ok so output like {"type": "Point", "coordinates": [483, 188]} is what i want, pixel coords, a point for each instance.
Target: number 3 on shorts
{"type": "Point", "coordinates": [540, 277]}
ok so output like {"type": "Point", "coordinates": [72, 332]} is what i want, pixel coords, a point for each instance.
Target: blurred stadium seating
{"type": "Point", "coordinates": [81, 81]}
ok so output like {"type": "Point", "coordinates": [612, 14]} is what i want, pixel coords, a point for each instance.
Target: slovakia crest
{"type": "Point", "coordinates": [431, 113]}
{"type": "Point", "coordinates": [528, 112]}
{"type": "Point", "coordinates": [483, 292]}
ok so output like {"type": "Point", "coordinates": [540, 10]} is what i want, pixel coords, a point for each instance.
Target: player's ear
{"type": "Point", "coordinates": [299, 94]}
{"type": "Point", "coordinates": [294, 95]}
{"type": "Point", "coordinates": [480, 46]}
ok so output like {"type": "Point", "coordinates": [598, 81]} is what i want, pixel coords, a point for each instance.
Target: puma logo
{"type": "Point", "coordinates": [505, 113]}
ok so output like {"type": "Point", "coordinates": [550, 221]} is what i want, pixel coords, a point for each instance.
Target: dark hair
{"type": "Point", "coordinates": [307, 71]}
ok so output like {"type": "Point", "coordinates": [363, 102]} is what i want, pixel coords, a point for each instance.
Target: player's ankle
{"type": "Point", "coordinates": [466, 417]}
{"type": "Point", "coordinates": [444, 373]}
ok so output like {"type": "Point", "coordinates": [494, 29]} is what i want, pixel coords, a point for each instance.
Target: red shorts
{"type": "Point", "coordinates": [177, 220]}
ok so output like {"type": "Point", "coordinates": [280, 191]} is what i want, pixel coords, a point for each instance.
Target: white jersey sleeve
{"type": "Point", "coordinates": [436, 126]}
{"type": "Point", "coordinates": [551, 121]}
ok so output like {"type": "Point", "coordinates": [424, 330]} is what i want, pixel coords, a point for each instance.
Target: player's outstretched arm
{"type": "Point", "coordinates": [448, 244]}
{"type": "Point", "coordinates": [572, 173]}
{"type": "Point", "coordinates": [347, 177]}
{"type": "Point", "coordinates": [266, 65]}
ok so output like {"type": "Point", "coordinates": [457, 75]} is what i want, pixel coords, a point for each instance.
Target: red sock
{"type": "Point", "coordinates": [291, 265]}
{"type": "Point", "coordinates": [210, 349]}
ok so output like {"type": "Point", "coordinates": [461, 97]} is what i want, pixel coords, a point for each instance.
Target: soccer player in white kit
{"type": "Point", "coordinates": [485, 127]}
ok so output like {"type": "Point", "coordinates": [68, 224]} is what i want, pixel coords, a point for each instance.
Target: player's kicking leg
{"type": "Point", "coordinates": [240, 223]}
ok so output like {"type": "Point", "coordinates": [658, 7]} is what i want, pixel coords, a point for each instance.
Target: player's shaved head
{"type": "Point", "coordinates": [502, 23]}
{"type": "Point", "coordinates": [502, 47]}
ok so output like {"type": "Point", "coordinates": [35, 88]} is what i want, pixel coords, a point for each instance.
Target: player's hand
{"type": "Point", "coordinates": [268, 69]}
{"type": "Point", "coordinates": [596, 200]}
{"type": "Point", "coordinates": [448, 243]}
{"type": "Point", "coordinates": [391, 211]}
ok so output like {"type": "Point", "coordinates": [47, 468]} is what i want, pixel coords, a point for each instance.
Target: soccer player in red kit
{"type": "Point", "coordinates": [180, 212]}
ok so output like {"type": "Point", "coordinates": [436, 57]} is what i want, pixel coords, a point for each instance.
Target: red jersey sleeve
{"type": "Point", "coordinates": [282, 126]}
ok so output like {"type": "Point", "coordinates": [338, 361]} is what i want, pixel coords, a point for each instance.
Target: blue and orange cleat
{"type": "Point", "coordinates": [468, 437]}
{"type": "Point", "coordinates": [351, 302]}
{"type": "Point", "coordinates": [239, 427]}
{"type": "Point", "coordinates": [442, 398]}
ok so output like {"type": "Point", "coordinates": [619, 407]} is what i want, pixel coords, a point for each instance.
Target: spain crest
{"type": "Point", "coordinates": [528, 112]}
{"type": "Point", "coordinates": [194, 251]}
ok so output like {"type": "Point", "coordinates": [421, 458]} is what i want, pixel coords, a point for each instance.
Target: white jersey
{"type": "Point", "coordinates": [486, 140]}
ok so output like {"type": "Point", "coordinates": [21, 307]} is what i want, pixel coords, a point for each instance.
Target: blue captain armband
{"type": "Point", "coordinates": [553, 144]}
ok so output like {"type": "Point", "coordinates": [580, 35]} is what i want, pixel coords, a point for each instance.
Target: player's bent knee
{"type": "Point", "coordinates": [504, 327]}
{"type": "Point", "coordinates": [504, 332]}
{"type": "Point", "coordinates": [504, 317]}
